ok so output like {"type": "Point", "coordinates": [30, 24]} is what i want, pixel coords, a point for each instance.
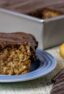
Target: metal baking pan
{"type": "Point", "coordinates": [48, 32]}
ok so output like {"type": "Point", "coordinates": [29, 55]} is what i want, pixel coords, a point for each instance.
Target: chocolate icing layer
{"type": "Point", "coordinates": [17, 38]}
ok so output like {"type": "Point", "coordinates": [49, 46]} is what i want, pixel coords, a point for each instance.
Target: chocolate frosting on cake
{"type": "Point", "coordinates": [17, 38]}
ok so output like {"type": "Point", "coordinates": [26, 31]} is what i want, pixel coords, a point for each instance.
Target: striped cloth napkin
{"type": "Point", "coordinates": [58, 87]}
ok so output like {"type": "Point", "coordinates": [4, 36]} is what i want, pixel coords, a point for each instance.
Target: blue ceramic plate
{"type": "Point", "coordinates": [44, 64]}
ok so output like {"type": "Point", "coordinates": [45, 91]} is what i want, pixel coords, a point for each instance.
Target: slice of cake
{"type": "Point", "coordinates": [17, 52]}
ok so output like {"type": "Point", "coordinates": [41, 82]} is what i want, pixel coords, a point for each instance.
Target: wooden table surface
{"type": "Point", "coordinates": [39, 86]}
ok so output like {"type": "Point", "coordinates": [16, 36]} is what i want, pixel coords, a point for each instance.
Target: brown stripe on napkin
{"type": "Point", "coordinates": [58, 87]}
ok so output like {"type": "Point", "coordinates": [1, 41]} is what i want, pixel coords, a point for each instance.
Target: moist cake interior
{"type": "Point", "coordinates": [15, 60]}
